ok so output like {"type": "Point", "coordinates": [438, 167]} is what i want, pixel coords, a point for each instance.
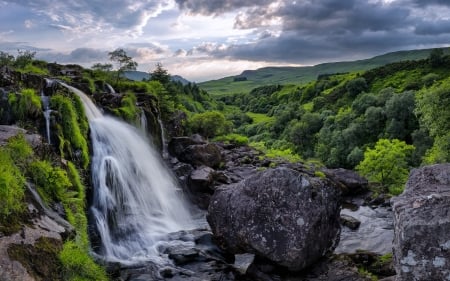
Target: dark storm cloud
{"type": "Point", "coordinates": [313, 31]}
{"type": "Point", "coordinates": [214, 7]}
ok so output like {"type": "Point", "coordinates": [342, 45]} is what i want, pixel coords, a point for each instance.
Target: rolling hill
{"type": "Point", "coordinates": [250, 79]}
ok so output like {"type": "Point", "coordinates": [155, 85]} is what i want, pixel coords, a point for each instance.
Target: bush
{"type": "Point", "coordinates": [233, 138]}
{"type": "Point", "coordinates": [27, 104]}
{"type": "Point", "coordinates": [12, 186]}
{"type": "Point", "coordinates": [209, 124]}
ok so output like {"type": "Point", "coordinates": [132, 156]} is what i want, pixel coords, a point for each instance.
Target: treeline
{"type": "Point", "coordinates": [338, 117]}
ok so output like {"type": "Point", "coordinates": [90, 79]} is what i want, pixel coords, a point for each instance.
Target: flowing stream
{"type": "Point", "coordinates": [47, 111]}
{"type": "Point", "coordinates": [136, 201]}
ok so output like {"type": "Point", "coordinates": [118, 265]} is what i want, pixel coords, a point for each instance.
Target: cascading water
{"type": "Point", "coordinates": [136, 202]}
{"type": "Point", "coordinates": [110, 88]}
{"type": "Point", "coordinates": [143, 122]}
{"type": "Point", "coordinates": [47, 111]}
{"type": "Point", "coordinates": [165, 153]}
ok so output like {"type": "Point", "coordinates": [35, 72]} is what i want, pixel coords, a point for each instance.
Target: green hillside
{"type": "Point", "coordinates": [301, 75]}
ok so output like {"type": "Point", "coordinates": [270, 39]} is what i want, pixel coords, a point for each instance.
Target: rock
{"type": "Point", "coordinates": [281, 214]}
{"type": "Point", "coordinates": [349, 181]}
{"type": "Point", "coordinates": [350, 222]}
{"type": "Point", "coordinates": [422, 224]}
{"type": "Point", "coordinates": [201, 180]}
{"type": "Point", "coordinates": [7, 132]}
{"type": "Point", "coordinates": [177, 145]}
{"type": "Point", "coordinates": [202, 154]}
{"type": "Point", "coordinates": [375, 233]}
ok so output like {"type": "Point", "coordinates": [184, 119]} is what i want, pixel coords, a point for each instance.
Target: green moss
{"type": "Point", "coordinates": [319, 174]}
{"type": "Point", "coordinates": [71, 128]}
{"type": "Point", "coordinates": [128, 111]}
{"type": "Point", "coordinates": [29, 68]}
{"type": "Point", "coordinates": [51, 182]}
{"type": "Point", "coordinates": [12, 182]}
{"type": "Point", "coordinates": [25, 105]}
{"type": "Point", "coordinates": [78, 265]}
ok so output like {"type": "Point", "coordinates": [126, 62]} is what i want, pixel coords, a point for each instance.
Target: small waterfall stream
{"type": "Point", "coordinates": [136, 201]}
{"type": "Point", "coordinates": [165, 153]}
{"type": "Point", "coordinates": [110, 88]}
{"type": "Point", "coordinates": [47, 111]}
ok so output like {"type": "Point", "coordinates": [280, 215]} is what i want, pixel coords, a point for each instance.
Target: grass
{"type": "Point", "coordinates": [305, 74]}
{"type": "Point", "coordinates": [260, 118]}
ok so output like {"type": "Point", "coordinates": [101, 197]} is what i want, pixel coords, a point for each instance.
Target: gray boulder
{"type": "Point", "coordinates": [422, 225]}
{"type": "Point", "coordinates": [280, 214]}
{"type": "Point", "coordinates": [349, 181]}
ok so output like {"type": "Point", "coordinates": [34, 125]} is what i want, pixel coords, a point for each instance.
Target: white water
{"type": "Point", "coordinates": [165, 153]}
{"type": "Point", "coordinates": [110, 88]}
{"type": "Point", "coordinates": [143, 122]}
{"type": "Point", "coordinates": [136, 201]}
{"type": "Point", "coordinates": [47, 111]}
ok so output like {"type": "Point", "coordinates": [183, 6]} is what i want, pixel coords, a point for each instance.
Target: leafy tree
{"type": "Point", "coordinates": [209, 124]}
{"type": "Point", "coordinates": [436, 57]}
{"type": "Point", "coordinates": [6, 59]}
{"type": "Point", "coordinates": [124, 61]}
{"type": "Point", "coordinates": [386, 163]}
{"type": "Point", "coordinates": [356, 86]}
{"type": "Point", "coordinates": [160, 74]}
{"type": "Point", "coordinates": [24, 58]}
{"type": "Point", "coordinates": [102, 67]}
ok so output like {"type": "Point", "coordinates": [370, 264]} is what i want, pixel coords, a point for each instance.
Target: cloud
{"type": "Point", "coordinates": [216, 7]}
{"type": "Point", "coordinates": [87, 15]}
{"type": "Point", "coordinates": [310, 32]}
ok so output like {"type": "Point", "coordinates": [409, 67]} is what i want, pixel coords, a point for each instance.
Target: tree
{"type": "Point", "coordinates": [386, 163]}
{"type": "Point", "coordinates": [6, 59]}
{"type": "Point", "coordinates": [436, 57]}
{"type": "Point", "coordinates": [125, 62]}
{"type": "Point", "coordinates": [102, 67]}
{"type": "Point", "coordinates": [24, 58]}
{"type": "Point", "coordinates": [160, 74]}
{"type": "Point", "coordinates": [209, 124]}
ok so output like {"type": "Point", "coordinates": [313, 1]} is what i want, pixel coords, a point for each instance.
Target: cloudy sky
{"type": "Point", "coordinates": [208, 39]}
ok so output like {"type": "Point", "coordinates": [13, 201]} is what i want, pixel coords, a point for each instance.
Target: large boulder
{"type": "Point", "coordinates": [280, 214]}
{"type": "Point", "coordinates": [349, 181]}
{"type": "Point", "coordinates": [422, 225]}
{"type": "Point", "coordinates": [195, 152]}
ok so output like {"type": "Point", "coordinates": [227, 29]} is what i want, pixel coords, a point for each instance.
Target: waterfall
{"type": "Point", "coordinates": [47, 111]}
{"type": "Point", "coordinates": [165, 153]}
{"type": "Point", "coordinates": [143, 123]}
{"type": "Point", "coordinates": [110, 88]}
{"type": "Point", "coordinates": [136, 201]}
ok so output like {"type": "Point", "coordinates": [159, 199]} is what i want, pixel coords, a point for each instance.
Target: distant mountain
{"type": "Point", "coordinates": [140, 75]}
{"type": "Point", "coordinates": [250, 79]}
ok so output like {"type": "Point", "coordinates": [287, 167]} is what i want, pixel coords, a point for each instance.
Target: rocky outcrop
{"type": "Point", "coordinates": [422, 224]}
{"type": "Point", "coordinates": [349, 181]}
{"type": "Point", "coordinates": [280, 214]}
{"type": "Point", "coordinates": [195, 152]}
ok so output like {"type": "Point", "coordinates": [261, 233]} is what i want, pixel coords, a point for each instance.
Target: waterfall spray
{"type": "Point", "coordinates": [136, 201]}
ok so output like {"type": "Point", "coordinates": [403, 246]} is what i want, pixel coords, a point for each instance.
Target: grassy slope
{"type": "Point", "coordinates": [300, 75]}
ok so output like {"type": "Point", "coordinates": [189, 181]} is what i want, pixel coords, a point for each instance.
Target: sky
{"type": "Point", "coordinates": [210, 39]}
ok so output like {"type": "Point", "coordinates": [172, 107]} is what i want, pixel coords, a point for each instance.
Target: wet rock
{"type": "Point", "coordinates": [201, 180]}
{"type": "Point", "coordinates": [202, 154]}
{"type": "Point", "coordinates": [178, 145]}
{"type": "Point", "coordinates": [349, 181]}
{"type": "Point", "coordinates": [350, 222]}
{"type": "Point", "coordinates": [375, 233]}
{"type": "Point", "coordinates": [422, 223]}
{"type": "Point", "coordinates": [283, 215]}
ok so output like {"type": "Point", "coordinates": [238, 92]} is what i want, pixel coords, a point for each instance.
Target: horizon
{"type": "Point", "coordinates": [204, 40]}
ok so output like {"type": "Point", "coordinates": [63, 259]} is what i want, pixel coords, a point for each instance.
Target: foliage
{"type": "Point", "coordinates": [24, 58]}
{"type": "Point", "coordinates": [233, 139]}
{"type": "Point", "coordinates": [72, 128]}
{"type": "Point", "coordinates": [128, 110]}
{"type": "Point", "coordinates": [6, 59]}
{"type": "Point", "coordinates": [12, 185]}
{"type": "Point", "coordinates": [123, 60]}
{"type": "Point", "coordinates": [436, 57]}
{"type": "Point", "coordinates": [78, 265]}
{"type": "Point", "coordinates": [209, 124]}
{"type": "Point", "coordinates": [160, 74]}
{"type": "Point", "coordinates": [272, 153]}
{"type": "Point", "coordinates": [386, 163]}
{"type": "Point", "coordinates": [25, 105]}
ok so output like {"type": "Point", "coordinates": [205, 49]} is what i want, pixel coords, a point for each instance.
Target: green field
{"type": "Point", "coordinates": [302, 75]}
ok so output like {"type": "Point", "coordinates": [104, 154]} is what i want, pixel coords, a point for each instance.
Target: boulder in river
{"type": "Point", "coordinates": [280, 214]}
{"type": "Point", "coordinates": [422, 225]}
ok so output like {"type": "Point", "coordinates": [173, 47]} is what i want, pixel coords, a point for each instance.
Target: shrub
{"type": "Point", "coordinates": [27, 104]}
{"type": "Point", "coordinates": [209, 124]}
{"type": "Point", "coordinates": [233, 138]}
{"type": "Point", "coordinates": [12, 186]}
